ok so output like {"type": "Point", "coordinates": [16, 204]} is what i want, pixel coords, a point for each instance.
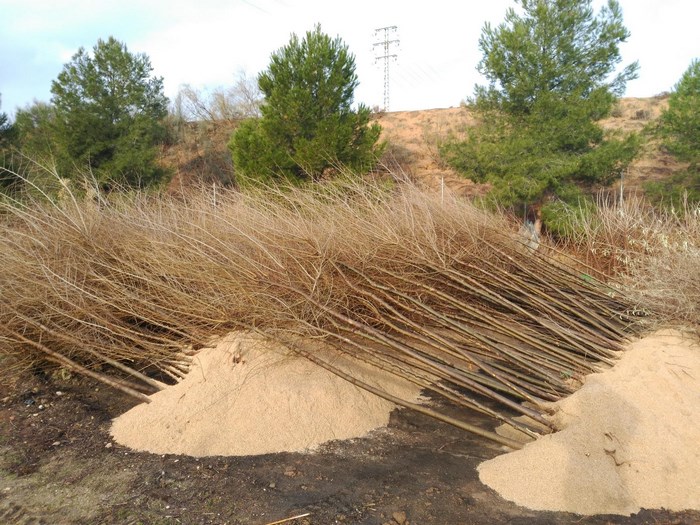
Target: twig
{"type": "Point", "coordinates": [285, 520]}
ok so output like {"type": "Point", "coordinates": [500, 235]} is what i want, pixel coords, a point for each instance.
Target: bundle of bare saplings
{"type": "Point", "coordinates": [424, 286]}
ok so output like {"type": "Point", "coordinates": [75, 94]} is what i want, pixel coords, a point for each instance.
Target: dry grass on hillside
{"type": "Point", "coordinates": [413, 139]}
{"type": "Point", "coordinates": [201, 153]}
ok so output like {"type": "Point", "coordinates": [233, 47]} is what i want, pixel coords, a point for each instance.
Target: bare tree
{"type": "Point", "coordinates": [242, 100]}
{"type": "Point", "coordinates": [247, 92]}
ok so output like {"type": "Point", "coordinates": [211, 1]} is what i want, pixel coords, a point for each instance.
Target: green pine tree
{"type": "Point", "coordinates": [35, 132]}
{"type": "Point", "coordinates": [8, 133]}
{"type": "Point", "coordinates": [551, 78]}
{"type": "Point", "coordinates": [308, 126]}
{"type": "Point", "coordinates": [679, 128]}
{"type": "Point", "coordinates": [109, 112]}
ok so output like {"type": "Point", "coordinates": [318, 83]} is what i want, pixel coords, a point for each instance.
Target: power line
{"type": "Point", "coordinates": [255, 6]}
{"type": "Point", "coordinates": [384, 47]}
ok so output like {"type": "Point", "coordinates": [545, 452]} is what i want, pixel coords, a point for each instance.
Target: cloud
{"type": "Point", "coordinates": [208, 41]}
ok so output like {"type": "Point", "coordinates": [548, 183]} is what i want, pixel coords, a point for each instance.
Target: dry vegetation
{"type": "Point", "coordinates": [199, 153]}
{"type": "Point", "coordinates": [418, 282]}
{"type": "Point", "coordinates": [421, 284]}
{"type": "Point", "coordinates": [654, 254]}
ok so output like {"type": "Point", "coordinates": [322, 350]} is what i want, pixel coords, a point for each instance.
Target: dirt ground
{"type": "Point", "coordinates": [59, 466]}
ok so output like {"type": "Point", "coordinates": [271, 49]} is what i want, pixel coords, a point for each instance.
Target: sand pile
{"type": "Point", "coordinates": [630, 439]}
{"type": "Point", "coordinates": [246, 397]}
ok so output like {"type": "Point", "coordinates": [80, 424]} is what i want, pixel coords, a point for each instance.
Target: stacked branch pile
{"type": "Point", "coordinates": [423, 286]}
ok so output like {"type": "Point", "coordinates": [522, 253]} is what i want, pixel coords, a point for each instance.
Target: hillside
{"type": "Point", "coordinates": [413, 138]}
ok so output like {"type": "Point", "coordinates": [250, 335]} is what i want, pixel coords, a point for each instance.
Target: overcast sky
{"type": "Point", "coordinates": [207, 42]}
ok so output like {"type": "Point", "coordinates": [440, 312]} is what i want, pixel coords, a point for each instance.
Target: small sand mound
{"type": "Point", "coordinates": [630, 439]}
{"type": "Point", "coordinates": [245, 397]}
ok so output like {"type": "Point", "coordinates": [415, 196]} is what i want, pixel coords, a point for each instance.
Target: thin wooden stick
{"type": "Point", "coordinates": [65, 361]}
{"type": "Point", "coordinates": [286, 520]}
{"type": "Point", "coordinates": [413, 406]}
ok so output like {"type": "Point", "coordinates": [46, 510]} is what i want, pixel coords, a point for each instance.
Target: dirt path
{"type": "Point", "coordinates": [59, 466]}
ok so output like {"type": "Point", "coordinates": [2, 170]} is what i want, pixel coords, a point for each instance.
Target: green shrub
{"type": "Point", "coordinates": [679, 129]}
{"type": "Point", "coordinates": [549, 73]}
{"type": "Point", "coordinates": [308, 127]}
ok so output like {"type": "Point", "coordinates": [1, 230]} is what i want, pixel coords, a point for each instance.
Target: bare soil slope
{"type": "Point", "coordinates": [413, 139]}
{"type": "Point", "coordinates": [201, 153]}
{"type": "Point", "coordinates": [414, 136]}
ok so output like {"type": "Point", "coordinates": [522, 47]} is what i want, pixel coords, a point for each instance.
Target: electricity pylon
{"type": "Point", "coordinates": [387, 56]}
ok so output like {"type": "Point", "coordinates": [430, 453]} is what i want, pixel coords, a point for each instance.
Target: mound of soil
{"type": "Point", "coordinates": [246, 397]}
{"type": "Point", "coordinates": [629, 439]}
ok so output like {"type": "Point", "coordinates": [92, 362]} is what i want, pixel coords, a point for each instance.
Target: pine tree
{"type": "Point", "coordinates": [8, 133]}
{"type": "Point", "coordinates": [680, 123]}
{"type": "Point", "coordinates": [308, 126]}
{"type": "Point", "coordinates": [551, 78]}
{"type": "Point", "coordinates": [109, 112]}
{"type": "Point", "coordinates": [679, 128]}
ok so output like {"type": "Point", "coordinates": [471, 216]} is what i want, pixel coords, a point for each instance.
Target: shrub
{"type": "Point", "coordinates": [549, 73]}
{"type": "Point", "coordinates": [308, 127]}
{"type": "Point", "coordinates": [679, 129]}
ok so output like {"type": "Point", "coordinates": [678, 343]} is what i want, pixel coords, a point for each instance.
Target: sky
{"type": "Point", "coordinates": [209, 43]}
